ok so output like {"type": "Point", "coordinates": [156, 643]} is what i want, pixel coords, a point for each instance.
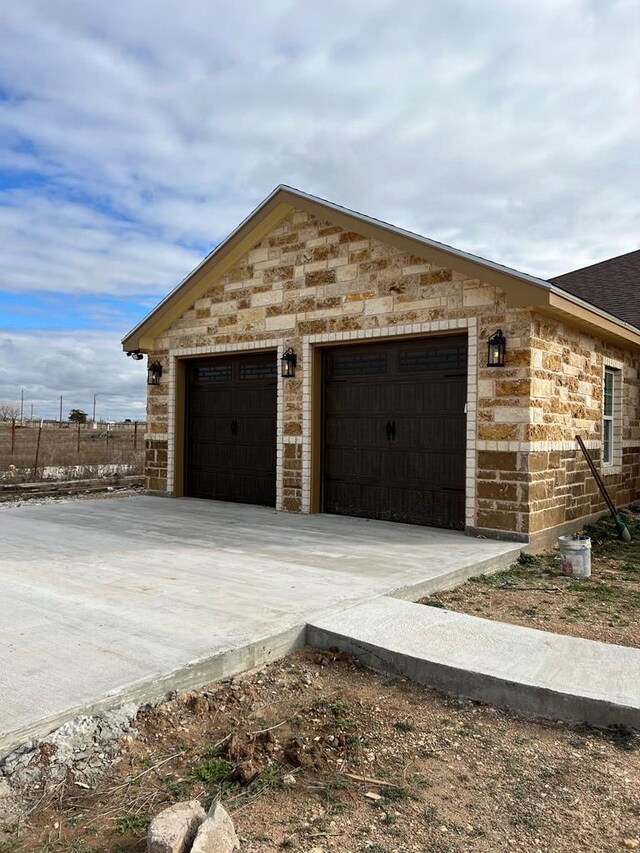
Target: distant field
{"type": "Point", "coordinates": [70, 452]}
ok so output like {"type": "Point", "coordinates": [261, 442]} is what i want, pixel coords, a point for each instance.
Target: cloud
{"type": "Point", "coordinates": [137, 136]}
{"type": "Point", "coordinates": [76, 365]}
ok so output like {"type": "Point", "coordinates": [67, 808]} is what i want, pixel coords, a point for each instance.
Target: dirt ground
{"type": "Point", "coordinates": [16, 500]}
{"type": "Point", "coordinates": [286, 749]}
{"type": "Point", "coordinates": [535, 592]}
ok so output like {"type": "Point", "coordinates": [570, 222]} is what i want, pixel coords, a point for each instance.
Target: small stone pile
{"type": "Point", "coordinates": [186, 828]}
{"type": "Point", "coordinates": [82, 750]}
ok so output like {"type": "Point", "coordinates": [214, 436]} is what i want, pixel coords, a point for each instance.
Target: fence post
{"type": "Point", "coordinates": [78, 448]}
{"type": "Point", "coordinates": [35, 464]}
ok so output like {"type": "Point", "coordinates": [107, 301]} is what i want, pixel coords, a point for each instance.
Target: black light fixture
{"type": "Point", "coordinates": [136, 355]}
{"type": "Point", "coordinates": [497, 350]}
{"type": "Point", "coordinates": [288, 364]}
{"type": "Point", "coordinates": [154, 372]}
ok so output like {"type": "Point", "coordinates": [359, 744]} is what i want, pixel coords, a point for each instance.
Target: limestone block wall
{"type": "Point", "coordinates": [566, 400]}
{"type": "Point", "coordinates": [533, 477]}
{"type": "Point", "coordinates": [310, 282]}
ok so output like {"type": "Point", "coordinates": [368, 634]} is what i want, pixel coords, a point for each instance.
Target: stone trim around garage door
{"type": "Point", "coordinates": [310, 379]}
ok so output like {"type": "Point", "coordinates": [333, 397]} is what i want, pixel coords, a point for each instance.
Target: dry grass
{"type": "Point", "coordinates": [451, 775]}
{"type": "Point", "coordinates": [534, 592]}
{"type": "Point", "coordinates": [79, 451]}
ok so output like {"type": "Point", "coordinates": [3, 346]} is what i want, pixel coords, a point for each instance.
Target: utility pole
{"type": "Point", "coordinates": [22, 406]}
{"type": "Point", "coordinates": [31, 412]}
{"type": "Point", "coordinates": [94, 408]}
{"type": "Point", "coordinates": [60, 411]}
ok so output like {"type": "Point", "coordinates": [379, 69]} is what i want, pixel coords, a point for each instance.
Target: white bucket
{"type": "Point", "coordinates": [575, 553]}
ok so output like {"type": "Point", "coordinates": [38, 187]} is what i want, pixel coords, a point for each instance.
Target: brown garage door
{"type": "Point", "coordinates": [395, 431]}
{"type": "Point", "coordinates": [231, 429]}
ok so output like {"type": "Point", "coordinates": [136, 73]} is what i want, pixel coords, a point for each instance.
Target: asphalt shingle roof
{"type": "Point", "coordinates": [612, 285]}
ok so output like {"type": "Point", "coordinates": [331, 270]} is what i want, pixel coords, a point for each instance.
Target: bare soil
{"type": "Point", "coordinates": [534, 592]}
{"type": "Point", "coordinates": [287, 748]}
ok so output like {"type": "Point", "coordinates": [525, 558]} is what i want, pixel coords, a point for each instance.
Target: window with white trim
{"type": "Point", "coordinates": [611, 420]}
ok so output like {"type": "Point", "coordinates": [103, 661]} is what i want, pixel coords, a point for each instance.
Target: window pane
{"type": "Point", "coordinates": [606, 443]}
{"type": "Point", "coordinates": [608, 392]}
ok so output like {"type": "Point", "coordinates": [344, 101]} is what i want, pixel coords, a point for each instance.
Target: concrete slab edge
{"type": "Point", "coordinates": [528, 699]}
{"type": "Point", "coordinates": [488, 566]}
{"type": "Point", "coordinates": [194, 675]}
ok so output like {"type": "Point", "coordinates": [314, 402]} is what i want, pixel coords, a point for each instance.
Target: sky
{"type": "Point", "coordinates": [135, 136]}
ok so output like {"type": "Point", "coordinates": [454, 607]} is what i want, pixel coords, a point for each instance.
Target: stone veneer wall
{"type": "Point", "coordinates": [311, 282]}
{"type": "Point", "coordinates": [543, 481]}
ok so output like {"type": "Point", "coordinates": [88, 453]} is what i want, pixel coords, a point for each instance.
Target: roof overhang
{"type": "Point", "coordinates": [522, 290]}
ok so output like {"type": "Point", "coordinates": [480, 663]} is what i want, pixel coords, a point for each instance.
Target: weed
{"type": "Point", "coordinates": [421, 781]}
{"type": "Point", "coordinates": [530, 611]}
{"type": "Point", "coordinates": [526, 820]}
{"type": "Point", "coordinates": [287, 844]}
{"type": "Point", "coordinates": [176, 787]}
{"type": "Point", "coordinates": [623, 737]}
{"type": "Point", "coordinates": [431, 815]}
{"type": "Point", "coordinates": [135, 823]}
{"type": "Point", "coordinates": [593, 589]}
{"type": "Point", "coordinates": [214, 771]}
{"type": "Point", "coordinates": [528, 559]}
{"type": "Point", "coordinates": [498, 578]}
{"type": "Point", "coordinates": [337, 707]}
{"type": "Point", "coordinates": [269, 776]}
{"type": "Point", "coordinates": [432, 602]}
{"type": "Point", "coordinates": [403, 726]}
{"type": "Point", "coordinates": [394, 793]}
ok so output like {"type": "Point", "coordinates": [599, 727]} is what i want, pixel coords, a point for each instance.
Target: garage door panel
{"type": "Point", "coordinates": [395, 437]}
{"type": "Point", "coordinates": [231, 429]}
{"type": "Point", "coordinates": [357, 431]}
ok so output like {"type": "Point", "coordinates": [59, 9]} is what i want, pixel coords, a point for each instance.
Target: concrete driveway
{"type": "Point", "coordinates": [109, 600]}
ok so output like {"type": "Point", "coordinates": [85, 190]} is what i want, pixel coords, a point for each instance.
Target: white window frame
{"type": "Point", "coordinates": [611, 460]}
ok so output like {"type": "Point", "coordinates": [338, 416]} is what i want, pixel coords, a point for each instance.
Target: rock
{"type": "Point", "coordinates": [173, 830]}
{"type": "Point", "coordinates": [217, 834]}
{"type": "Point", "coordinates": [631, 843]}
{"type": "Point", "coordinates": [372, 797]}
{"type": "Point", "coordinates": [289, 781]}
{"type": "Point", "coordinates": [10, 811]}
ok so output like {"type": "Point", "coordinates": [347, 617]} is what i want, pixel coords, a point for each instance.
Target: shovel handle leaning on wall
{"type": "Point", "coordinates": [621, 527]}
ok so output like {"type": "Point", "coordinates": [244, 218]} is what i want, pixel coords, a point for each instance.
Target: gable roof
{"type": "Point", "coordinates": [613, 284]}
{"type": "Point", "coordinates": [521, 289]}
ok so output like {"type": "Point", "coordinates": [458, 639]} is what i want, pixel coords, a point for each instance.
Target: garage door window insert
{"type": "Point", "coordinates": [611, 409]}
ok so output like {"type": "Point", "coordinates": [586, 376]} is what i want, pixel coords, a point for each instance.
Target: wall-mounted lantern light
{"type": "Point", "coordinates": [136, 355]}
{"type": "Point", "coordinates": [288, 364]}
{"type": "Point", "coordinates": [497, 349]}
{"type": "Point", "coordinates": [154, 372]}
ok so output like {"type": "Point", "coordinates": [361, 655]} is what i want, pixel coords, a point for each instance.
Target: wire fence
{"type": "Point", "coordinates": [54, 451]}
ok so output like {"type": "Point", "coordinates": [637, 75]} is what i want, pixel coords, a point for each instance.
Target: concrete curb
{"type": "Point", "coordinates": [197, 674]}
{"type": "Point", "coordinates": [489, 566]}
{"type": "Point", "coordinates": [604, 690]}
